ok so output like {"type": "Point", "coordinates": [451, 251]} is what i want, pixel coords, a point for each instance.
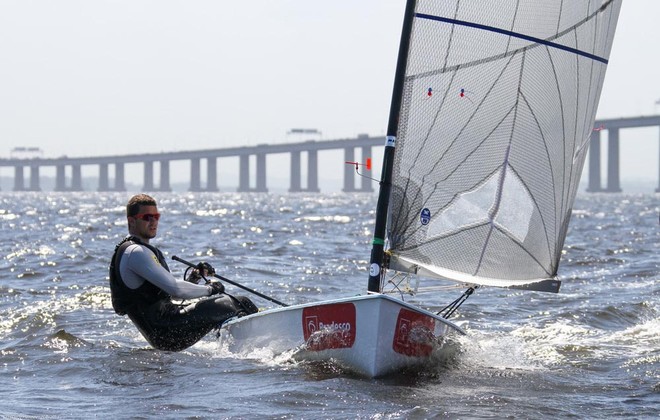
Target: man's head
{"type": "Point", "coordinates": [142, 214]}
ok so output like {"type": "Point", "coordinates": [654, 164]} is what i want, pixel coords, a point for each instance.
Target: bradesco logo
{"type": "Point", "coordinates": [329, 326]}
{"type": "Point", "coordinates": [414, 334]}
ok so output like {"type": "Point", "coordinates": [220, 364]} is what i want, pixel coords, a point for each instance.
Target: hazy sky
{"type": "Point", "coordinates": [95, 77]}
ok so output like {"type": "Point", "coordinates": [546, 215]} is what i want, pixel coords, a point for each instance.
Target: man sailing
{"type": "Point", "coordinates": [142, 287]}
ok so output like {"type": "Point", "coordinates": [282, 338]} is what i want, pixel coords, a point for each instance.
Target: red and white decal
{"type": "Point", "coordinates": [414, 334]}
{"type": "Point", "coordinates": [329, 326]}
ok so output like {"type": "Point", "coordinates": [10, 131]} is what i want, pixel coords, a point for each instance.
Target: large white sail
{"type": "Point", "coordinates": [498, 107]}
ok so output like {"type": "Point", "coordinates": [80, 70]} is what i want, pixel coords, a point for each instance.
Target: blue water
{"type": "Point", "coordinates": [591, 351]}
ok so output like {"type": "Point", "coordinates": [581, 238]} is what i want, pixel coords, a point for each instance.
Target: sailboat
{"type": "Point", "coordinates": [492, 111]}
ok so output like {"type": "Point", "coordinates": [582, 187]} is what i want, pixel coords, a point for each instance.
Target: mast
{"type": "Point", "coordinates": [378, 243]}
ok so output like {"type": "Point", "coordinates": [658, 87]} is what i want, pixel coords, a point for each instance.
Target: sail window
{"type": "Point", "coordinates": [472, 208]}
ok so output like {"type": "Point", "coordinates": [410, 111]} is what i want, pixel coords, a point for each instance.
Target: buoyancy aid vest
{"type": "Point", "coordinates": [124, 298]}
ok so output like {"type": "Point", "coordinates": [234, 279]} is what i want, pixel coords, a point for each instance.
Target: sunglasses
{"type": "Point", "coordinates": [147, 217]}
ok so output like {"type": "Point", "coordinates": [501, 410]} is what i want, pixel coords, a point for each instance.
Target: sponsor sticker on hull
{"type": "Point", "coordinates": [414, 334]}
{"type": "Point", "coordinates": [329, 326]}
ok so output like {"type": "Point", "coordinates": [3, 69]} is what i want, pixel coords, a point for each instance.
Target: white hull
{"type": "Point", "coordinates": [373, 334]}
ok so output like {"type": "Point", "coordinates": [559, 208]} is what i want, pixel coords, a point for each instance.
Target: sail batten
{"type": "Point", "coordinates": [498, 108]}
{"type": "Point", "coordinates": [501, 31]}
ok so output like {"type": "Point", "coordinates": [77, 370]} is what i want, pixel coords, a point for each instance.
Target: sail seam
{"type": "Point", "coordinates": [500, 185]}
{"type": "Point", "coordinates": [428, 133]}
{"type": "Point", "coordinates": [558, 214]}
{"type": "Point", "coordinates": [476, 226]}
{"type": "Point", "coordinates": [458, 136]}
{"type": "Point", "coordinates": [552, 176]}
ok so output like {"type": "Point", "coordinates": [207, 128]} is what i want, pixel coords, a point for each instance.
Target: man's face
{"type": "Point", "coordinates": [145, 223]}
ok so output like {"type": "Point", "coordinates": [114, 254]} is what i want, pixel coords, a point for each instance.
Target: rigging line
{"type": "Point", "coordinates": [452, 307]}
{"type": "Point", "coordinates": [514, 34]}
{"type": "Point", "coordinates": [513, 23]}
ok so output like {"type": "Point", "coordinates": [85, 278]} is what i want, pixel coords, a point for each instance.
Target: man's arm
{"type": "Point", "coordinates": [139, 264]}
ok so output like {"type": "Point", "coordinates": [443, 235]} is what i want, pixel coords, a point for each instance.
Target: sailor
{"type": "Point", "coordinates": [142, 287]}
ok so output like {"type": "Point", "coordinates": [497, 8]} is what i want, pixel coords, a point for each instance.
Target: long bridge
{"type": "Point", "coordinates": [613, 128]}
{"type": "Point", "coordinates": [68, 173]}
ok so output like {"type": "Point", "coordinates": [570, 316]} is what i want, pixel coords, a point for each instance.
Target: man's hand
{"type": "Point", "coordinates": [194, 277]}
{"type": "Point", "coordinates": [206, 269]}
{"type": "Point", "coordinates": [216, 287]}
{"type": "Point", "coordinates": [201, 271]}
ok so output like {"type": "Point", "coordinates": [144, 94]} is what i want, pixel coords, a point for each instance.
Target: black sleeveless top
{"type": "Point", "coordinates": [124, 298]}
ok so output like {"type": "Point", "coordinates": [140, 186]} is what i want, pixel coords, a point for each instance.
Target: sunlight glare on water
{"type": "Point", "coordinates": [594, 346]}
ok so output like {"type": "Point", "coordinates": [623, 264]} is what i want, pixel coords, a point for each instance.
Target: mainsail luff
{"type": "Point", "coordinates": [378, 243]}
{"type": "Point", "coordinates": [500, 99]}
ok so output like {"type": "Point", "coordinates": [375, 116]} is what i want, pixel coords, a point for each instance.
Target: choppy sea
{"type": "Point", "coordinates": [590, 351]}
